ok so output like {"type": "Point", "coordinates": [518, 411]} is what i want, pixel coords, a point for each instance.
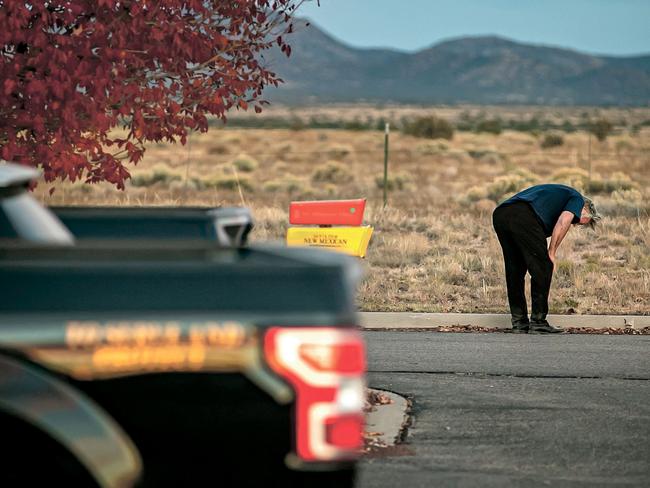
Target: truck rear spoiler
{"type": "Point", "coordinates": [232, 225]}
{"type": "Point", "coordinates": [21, 216]}
{"type": "Point", "coordinates": [228, 227]}
{"type": "Point", "coordinates": [15, 176]}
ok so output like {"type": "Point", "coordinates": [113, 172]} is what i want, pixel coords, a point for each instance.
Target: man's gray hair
{"type": "Point", "coordinates": [593, 212]}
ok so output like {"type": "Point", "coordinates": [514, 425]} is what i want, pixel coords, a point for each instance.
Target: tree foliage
{"type": "Point", "coordinates": [70, 71]}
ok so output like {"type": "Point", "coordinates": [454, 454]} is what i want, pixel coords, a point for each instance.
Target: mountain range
{"type": "Point", "coordinates": [474, 70]}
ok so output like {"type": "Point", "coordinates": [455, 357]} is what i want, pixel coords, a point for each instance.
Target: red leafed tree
{"type": "Point", "coordinates": [70, 71]}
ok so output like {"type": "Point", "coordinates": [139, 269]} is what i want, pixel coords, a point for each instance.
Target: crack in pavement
{"type": "Point", "coordinates": [514, 375]}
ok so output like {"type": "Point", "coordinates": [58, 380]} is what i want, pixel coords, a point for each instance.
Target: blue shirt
{"type": "Point", "coordinates": [549, 201]}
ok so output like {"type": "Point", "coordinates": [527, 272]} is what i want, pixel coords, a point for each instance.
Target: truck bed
{"type": "Point", "coordinates": [191, 276]}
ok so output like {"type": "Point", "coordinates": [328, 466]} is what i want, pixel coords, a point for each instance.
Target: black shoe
{"type": "Point", "coordinates": [543, 327]}
{"type": "Point", "coordinates": [520, 327]}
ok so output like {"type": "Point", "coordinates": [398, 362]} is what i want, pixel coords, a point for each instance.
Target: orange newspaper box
{"type": "Point", "coordinates": [327, 212]}
{"type": "Point", "coordinates": [349, 236]}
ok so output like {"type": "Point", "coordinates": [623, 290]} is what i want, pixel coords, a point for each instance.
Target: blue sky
{"type": "Point", "coordinates": [618, 27]}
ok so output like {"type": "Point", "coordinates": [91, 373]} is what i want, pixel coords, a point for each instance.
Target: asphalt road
{"type": "Point", "coordinates": [514, 410]}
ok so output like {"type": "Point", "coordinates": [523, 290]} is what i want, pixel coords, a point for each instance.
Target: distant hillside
{"type": "Point", "coordinates": [478, 70]}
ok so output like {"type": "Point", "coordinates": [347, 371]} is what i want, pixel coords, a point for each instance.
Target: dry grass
{"type": "Point", "coordinates": [397, 250]}
{"type": "Point", "coordinates": [433, 248]}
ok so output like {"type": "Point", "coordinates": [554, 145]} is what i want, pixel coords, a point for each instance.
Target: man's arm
{"type": "Point", "coordinates": [559, 231]}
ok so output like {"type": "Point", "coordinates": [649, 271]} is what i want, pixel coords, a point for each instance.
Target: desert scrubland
{"type": "Point", "coordinates": [434, 248]}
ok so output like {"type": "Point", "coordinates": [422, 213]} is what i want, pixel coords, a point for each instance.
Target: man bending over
{"type": "Point", "coordinates": [522, 223]}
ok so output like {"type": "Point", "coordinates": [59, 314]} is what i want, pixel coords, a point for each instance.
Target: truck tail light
{"type": "Point", "coordinates": [326, 367]}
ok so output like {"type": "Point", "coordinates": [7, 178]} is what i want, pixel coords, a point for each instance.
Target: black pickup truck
{"type": "Point", "coordinates": [131, 362]}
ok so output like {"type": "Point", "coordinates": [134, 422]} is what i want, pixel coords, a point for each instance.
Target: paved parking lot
{"type": "Point", "coordinates": [515, 410]}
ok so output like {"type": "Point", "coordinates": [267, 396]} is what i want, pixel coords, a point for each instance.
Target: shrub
{"type": "Point", "coordinates": [617, 182]}
{"type": "Point", "coordinates": [491, 126]}
{"type": "Point", "coordinates": [601, 128]}
{"type": "Point", "coordinates": [567, 126]}
{"type": "Point", "coordinates": [332, 172]}
{"type": "Point", "coordinates": [232, 139]}
{"type": "Point", "coordinates": [290, 185]}
{"type": "Point", "coordinates": [159, 173]}
{"type": "Point", "coordinates": [218, 149]}
{"type": "Point", "coordinates": [552, 140]}
{"type": "Point", "coordinates": [398, 181]}
{"type": "Point", "coordinates": [431, 148]}
{"type": "Point", "coordinates": [355, 124]}
{"type": "Point", "coordinates": [633, 197]}
{"type": "Point", "coordinates": [476, 193]}
{"type": "Point", "coordinates": [296, 124]}
{"type": "Point", "coordinates": [579, 179]}
{"type": "Point", "coordinates": [484, 206]}
{"type": "Point", "coordinates": [380, 124]}
{"type": "Point", "coordinates": [429, 127]}
{"type": "Point", "coordinates": [181, 185]}
{"type": "Point", "coordinates": [339, 151]}
{"type": "Point", "coordinates": [503, 185]}
{"type": "Point", "coordinates": [624, 203]}
{"type": "Point", "coordinates": [574, 177]}
{"type": "Point", "coordinates": [273, 186]}
{"type": "Point", "coordinates": [506, 185]}
{"type": "Point", "coordinates": [569, 173]}
{"type": "Point", "coordinates": [245, 163]}
{"type": "Point", "coordinates": [486, 156]}
{"type": "Point", "coordinates": [480, 153]}
{"type": "Point", "coordinates": [226, 182]}
{"type": "Point", "coordinates": [458, 156]}
{"type": "Point", "coordinates": [326, 191]}
{"type": "Point", "coordinates": [294, 185]}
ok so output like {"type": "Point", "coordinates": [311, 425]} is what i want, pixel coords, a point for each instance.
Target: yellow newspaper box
{"type": "Point", "coordinates": [350, 240]}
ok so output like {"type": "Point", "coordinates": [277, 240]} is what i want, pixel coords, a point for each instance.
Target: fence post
{"type": "Point", "coordinates": [386, 133]}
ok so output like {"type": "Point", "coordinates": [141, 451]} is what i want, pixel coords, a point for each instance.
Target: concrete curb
{"type": "Point", "coordinates": [409, 320]}
{"type": "Point", "coordinates": [388, 420]}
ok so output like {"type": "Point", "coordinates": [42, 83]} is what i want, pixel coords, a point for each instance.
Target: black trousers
{"type": "Point", "coordinates": [523, 241]}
